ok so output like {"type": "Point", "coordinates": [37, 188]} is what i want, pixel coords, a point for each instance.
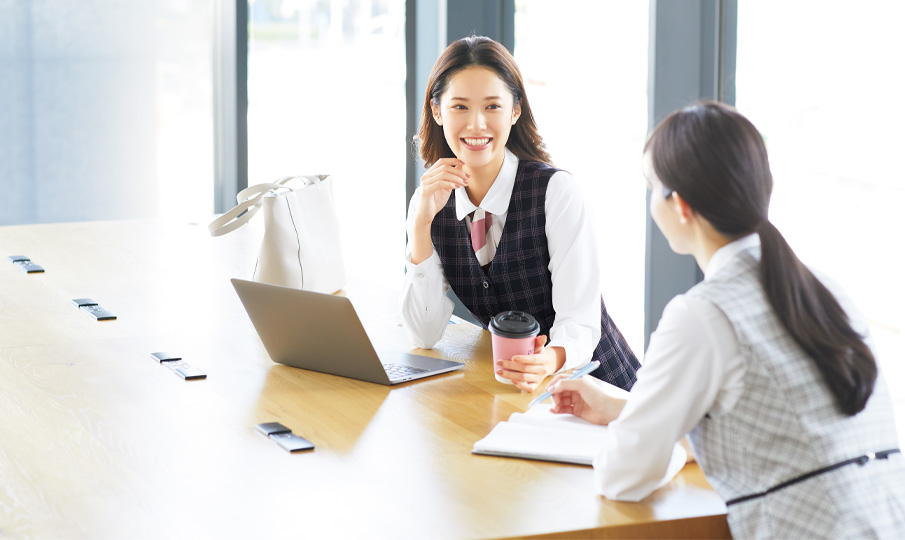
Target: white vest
{"type": "Point", "coordinates": [786, 424]}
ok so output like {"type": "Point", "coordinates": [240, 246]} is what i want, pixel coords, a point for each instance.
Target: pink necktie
{"type": "Point", "coordinates": [480, 237]}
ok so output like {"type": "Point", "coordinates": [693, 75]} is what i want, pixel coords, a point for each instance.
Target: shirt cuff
{"type": "Point", "coordinates": [425, 273]}
{"type": "Point", "coordinates": [577, 340]}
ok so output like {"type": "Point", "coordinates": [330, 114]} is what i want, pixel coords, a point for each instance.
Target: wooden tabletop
{"type": "Point", "coordinates": [99, 441]}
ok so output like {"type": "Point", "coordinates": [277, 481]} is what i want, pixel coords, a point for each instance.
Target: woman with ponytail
{"type": "Point", "coordinates": [766, 366]}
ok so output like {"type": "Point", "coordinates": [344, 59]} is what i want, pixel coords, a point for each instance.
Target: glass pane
{"type": "Point", "coordinates": [106, 110]}
{"type": "Point", "coordinates": [326, 93]}
{"type": "Point", "coordinates": [588, 91]}
{"type": "Point", "coordinates": [829, 111]}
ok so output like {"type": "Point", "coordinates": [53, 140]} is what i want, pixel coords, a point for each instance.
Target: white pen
{"type": "Point", "coordinates": [580, 373]}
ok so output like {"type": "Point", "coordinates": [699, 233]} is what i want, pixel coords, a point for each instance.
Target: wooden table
{"type": "Point", "coordinates": [99, 441]}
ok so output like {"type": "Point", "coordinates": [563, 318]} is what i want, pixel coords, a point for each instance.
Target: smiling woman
{"type": "Point", "coordinates": [477, 113]}
{"type": "Point", "coordinates": [497, 223]}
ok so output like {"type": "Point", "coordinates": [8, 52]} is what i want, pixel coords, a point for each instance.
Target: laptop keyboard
{"type": "Point", "coordinates": [399, 371]}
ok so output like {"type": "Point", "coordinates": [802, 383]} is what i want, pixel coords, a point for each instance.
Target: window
{"type": "Point", "coordinates": [822, 82]}
{"type": "Point", "coordinates": [326, 95]}
{"type": "Point", "coordinates": [106, 110]}
{"type": "Point", "coordinates": [585, 68]}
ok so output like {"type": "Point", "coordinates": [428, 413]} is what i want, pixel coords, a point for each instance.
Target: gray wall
{"type": "Point", "coordinates": [692, 57]}
{"type": "Point", "coordinates": [105, 109]}
{"type": "Point", "coordinates": [77, 121]}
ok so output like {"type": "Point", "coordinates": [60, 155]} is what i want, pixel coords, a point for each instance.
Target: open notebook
{"type": "Point", "coordinates": [540, 434]}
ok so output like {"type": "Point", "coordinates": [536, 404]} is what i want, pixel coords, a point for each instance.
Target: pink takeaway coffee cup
{"type": "Point", "coordinates": [511, 333]}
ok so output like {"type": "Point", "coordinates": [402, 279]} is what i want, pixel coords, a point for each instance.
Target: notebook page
{"type": "Point", "coordinates": [544, 442]}
{"type": "Point", "coordinates": [540, 415]}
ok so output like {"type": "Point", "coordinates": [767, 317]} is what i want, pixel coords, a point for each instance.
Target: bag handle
{"type": "Point", "coordinates": [249, 200]}
{"type": "Point", "coordinates": [242, 212]}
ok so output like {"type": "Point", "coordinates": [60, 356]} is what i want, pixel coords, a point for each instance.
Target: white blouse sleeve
{"type": "Point", "coordinates": [575, 271]}
{"type": "Point", "coordinates": [425, 307]}
{"type": "Point", "coordinates": [692, 367]}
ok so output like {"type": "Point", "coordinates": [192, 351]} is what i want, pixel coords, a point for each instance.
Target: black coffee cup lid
{"type": "Point", "coordinates": [514, 324]}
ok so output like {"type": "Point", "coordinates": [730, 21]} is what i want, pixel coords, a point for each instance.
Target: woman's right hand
{"type": "Point", "coordinates": [587, 398]}
{"type": "Point", "coordinates": [436, 186]}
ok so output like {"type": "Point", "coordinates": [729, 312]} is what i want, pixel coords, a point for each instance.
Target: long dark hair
{"type": "Point", "coordinates": [524, 140]}
{"type": "Point", "coordinates": [716, 160]}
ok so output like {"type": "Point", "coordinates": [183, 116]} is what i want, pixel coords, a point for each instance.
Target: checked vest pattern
{"type": "Point", "coordinates": [518, 277]}
{"type": "Point", "coordinates": [786, 424]}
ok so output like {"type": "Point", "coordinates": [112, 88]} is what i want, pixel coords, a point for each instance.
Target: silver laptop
{"type": "Point", "coordinates": [322, 332]}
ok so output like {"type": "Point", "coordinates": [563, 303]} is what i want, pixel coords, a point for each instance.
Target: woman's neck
{"type": "Point", "coordinates": [707, 243]}
{"type": "Point", "coordinates": [482, 178]}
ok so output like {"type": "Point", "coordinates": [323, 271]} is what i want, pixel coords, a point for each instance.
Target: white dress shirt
{"type": "Point", "coordinates": [574, 266]}
{"type": "Point", "coordinates": [692, 367]}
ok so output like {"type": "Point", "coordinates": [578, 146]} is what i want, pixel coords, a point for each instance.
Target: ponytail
{"type": "Point", "coordinates": [816, 321]}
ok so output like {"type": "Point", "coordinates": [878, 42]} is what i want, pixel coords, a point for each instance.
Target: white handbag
{"type": "Point", "coordinates": [301, 246]}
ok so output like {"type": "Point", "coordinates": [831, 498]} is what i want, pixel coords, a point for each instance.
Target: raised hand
{"type": "Point", "coordinates": [436, 186]}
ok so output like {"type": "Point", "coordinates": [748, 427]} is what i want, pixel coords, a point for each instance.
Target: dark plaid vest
{"type": "Point", "coordinates": [518, 278]}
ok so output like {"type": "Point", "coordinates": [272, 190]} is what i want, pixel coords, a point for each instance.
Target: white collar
{"type": "Point", "coordinates": [726, 253]}
{"type": "Point", "coordinates": [497, 199]}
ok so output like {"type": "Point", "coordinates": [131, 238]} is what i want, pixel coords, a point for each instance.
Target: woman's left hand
{"type": "Point", "coordinates": [527, 371]}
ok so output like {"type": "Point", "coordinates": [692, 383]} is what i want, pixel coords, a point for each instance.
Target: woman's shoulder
{"type": "Point", "coordinates": [529, 166]}
{"type": "Point", "coordinates": [543, 171]}
{"type": "Point", "coordinates": [562, 182]}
